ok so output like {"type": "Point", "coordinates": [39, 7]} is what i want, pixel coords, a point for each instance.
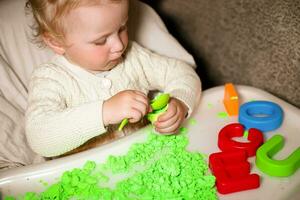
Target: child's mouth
{"type": "Point", "coordinates": [117, 60]}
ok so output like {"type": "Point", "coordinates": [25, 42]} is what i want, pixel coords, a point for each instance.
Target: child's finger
{"type": "Point", "coordinates": [135, 116]}
{"type": "Point", "coordinates": [141, 98]}
{"type": "Point", "coordinates": [171, 112]}
{"type": "Point", "coordinates": [170, 129]}
{"type": "Point", "coordinates": [166, 123]}
{"type": "Point", "coordinates": [140, 93]}
{"type": "Point", "coordinates": [140, 106]}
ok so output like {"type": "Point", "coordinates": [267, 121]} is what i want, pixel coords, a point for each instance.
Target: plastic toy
{"type": "Point", "coordinates": [158, 105]}
{"type": "Point", "coordinates": [152, 117]}
{"type": "Point", "coordinates": [160, 101]}
{"type": "Point", "coordinates": [231, 100]}
{"type": "Point", "coordinates": [226, 143]}
{"type": "Point", "coordinates": [124, 122]}
{"type": "Point", "coordinates": [272, 167]}
{"type": "Point", "coordinates": [232, 172]}
{"type": "Point", "coordinates": [263, 115]}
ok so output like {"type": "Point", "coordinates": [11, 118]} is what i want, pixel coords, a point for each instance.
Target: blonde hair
{"type": "Point", "coordinates": [48, 15]}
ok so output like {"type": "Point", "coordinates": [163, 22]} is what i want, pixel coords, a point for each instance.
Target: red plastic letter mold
{"type": "Point", "coordinates": [232, 171]}
{"type": "Point", "coordinates": [226, 143]}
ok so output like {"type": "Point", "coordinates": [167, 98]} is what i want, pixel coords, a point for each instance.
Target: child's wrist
{"type": "Point", "coordinates": [105, 115]}
{"type": "Point", "coordinates": [184, 106]}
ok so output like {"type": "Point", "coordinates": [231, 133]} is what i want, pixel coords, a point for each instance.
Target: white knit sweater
{"type": "Point", "coordinates": [65, 101]}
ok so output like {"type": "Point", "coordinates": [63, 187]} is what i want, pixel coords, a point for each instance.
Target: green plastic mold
{"type": "Point", "coordinates": [159, 105]}
{"type": "Point", "coordinates": [160, 101]}
{"type": "Point", "coordinates": [152, 117]}
{"type": "Point", "coordinates": [281, 168]}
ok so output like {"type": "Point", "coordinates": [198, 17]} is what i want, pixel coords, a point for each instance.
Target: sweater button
{"type": "Point", "coordinates": [106, 83]}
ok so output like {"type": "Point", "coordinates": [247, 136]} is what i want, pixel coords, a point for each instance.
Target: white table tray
{"type": "Point", "coordinates": [203, 138]}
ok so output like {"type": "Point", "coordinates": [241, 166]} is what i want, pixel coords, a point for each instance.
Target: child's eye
{"type": "Point", "coordinates": [99, 43]}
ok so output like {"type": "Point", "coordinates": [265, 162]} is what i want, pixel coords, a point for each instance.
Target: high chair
{"type": "Point", "coordinates": [19, 55]}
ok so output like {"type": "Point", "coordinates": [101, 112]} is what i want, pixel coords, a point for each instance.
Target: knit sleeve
{"type": "Point", "coordinates": [169, 75]}
{"type": "Point", "coordinates": [52, 128]}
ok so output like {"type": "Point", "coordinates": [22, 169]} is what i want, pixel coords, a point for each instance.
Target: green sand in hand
{"type": "Point", "coordinates": [160, 168]}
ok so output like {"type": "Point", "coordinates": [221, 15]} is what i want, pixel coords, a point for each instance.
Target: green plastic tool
{"type": "Point", "coordinates": [152, 117]}
{"type": "Point", "coordinates": [160, 101]}
{"type": "Point", "coordinates": [281, 168]}
{"type": "Point", "coordinates": [123, 123]}
{"type": "Point", "coordinates": [158, 105]}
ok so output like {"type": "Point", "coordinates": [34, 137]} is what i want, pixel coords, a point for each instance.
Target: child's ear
{"type": "Point", "coordinates": [52, 42]}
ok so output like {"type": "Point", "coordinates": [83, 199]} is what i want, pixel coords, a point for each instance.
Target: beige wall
{"type": "Point", "coordinates": [251, 42]}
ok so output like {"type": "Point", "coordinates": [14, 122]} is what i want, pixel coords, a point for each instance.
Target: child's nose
{"type": "Point", "coordinates": [117, 44]}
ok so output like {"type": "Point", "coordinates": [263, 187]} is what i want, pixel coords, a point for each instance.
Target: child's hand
{"type": "Point", "coordinates": [170, 121]}
{"type": "Point", "coordinates": [130, 104]}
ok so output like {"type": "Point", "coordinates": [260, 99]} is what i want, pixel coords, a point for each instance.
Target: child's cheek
{"type": "Point", "coordinates": [100, 54]}
{"type": "Point", "coordinates": [124, 38]}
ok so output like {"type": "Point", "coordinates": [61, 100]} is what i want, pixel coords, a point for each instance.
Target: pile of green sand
{"type": "Point", "coordinates": [160, 168]}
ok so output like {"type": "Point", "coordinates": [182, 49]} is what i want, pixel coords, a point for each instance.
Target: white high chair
{"type": "Point", "coordinates": [18, 57]}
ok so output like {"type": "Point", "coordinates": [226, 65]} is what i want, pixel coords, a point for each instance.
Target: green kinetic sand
{"type": "Point", "coordinates": [160, 168]}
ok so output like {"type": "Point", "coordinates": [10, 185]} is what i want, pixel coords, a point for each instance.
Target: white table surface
{"type": "Point", "coordinates": [203, 138]}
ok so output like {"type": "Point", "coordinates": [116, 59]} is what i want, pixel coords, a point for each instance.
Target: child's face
{"type": "Point", "coordinates": [97, 35]}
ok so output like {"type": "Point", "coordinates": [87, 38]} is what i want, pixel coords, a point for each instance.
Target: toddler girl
{"type": "Point", "coordinates": [97, 77]}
